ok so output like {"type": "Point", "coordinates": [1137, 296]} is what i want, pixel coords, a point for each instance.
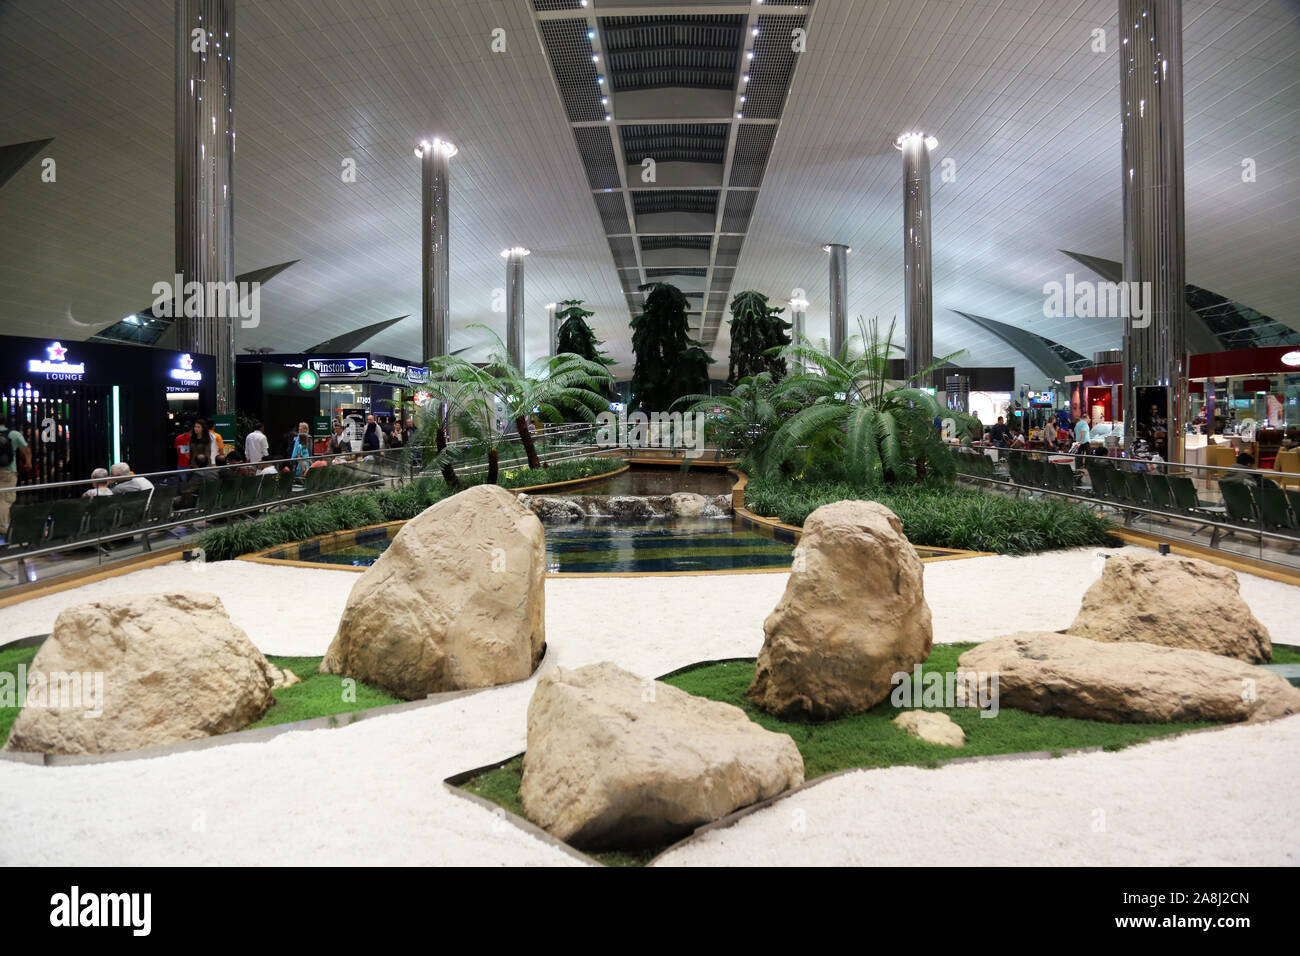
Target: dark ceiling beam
{"type": "Point", "coordinates": [1026, 343]}
{"type": "Point", "coordinates": [15, 156]}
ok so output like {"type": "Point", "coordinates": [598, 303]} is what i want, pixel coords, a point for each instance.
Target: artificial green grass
{"type": "Point", "coordinates": [318, 695]}
{"type": "Point", "coordinates": [1285, 654]}
{"type": "Point", "coordinates": [357, 509]}
{"type": "Point", "coordinates": [940, 516]}
{"type": "Point", "coordinates": [868, 739]}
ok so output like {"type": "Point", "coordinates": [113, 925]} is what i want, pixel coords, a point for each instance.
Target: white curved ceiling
{"type": "Point", "coordinates": [1010, 88]}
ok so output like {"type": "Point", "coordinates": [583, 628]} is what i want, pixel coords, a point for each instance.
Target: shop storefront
{"type": "Point", "coordinates": [86, 405]}
{"type": "Point", "coordinates": [321, 389]}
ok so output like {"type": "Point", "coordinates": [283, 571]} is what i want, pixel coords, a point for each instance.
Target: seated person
{"type": "Point", "coordinates": [126, 485]}
{"type": "Point", "coordinates": [99, 487]}
{"type": "Point", "coordinates": [1247, 460]}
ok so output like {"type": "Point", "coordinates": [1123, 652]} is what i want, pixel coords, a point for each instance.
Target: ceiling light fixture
{"type": "Point", "coordinates": [930, 141]}
{"type": "Point", "coordinates": [443, 146]}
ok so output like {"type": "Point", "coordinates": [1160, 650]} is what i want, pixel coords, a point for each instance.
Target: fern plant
{"type": "Point", "coordinates": [883, 431]}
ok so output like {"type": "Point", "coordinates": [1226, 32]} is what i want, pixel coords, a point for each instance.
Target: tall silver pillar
{"type": "Point", "coordinates": [839, 331]}
{"type": "Point", "coordinates": [515, 305]}
{"type": "Point", "coordinates": [435, 269]}
{"type": "Point", "coordinates": [1151, 97]}
{"type": "Point", "coordinates": [918, 299]}
{"type": "Point", "coordinates": [553, 329]}
{"type": "Point", "coordinates": [205, 185]}
{"type": "Point", "coordinates": [798, 323]}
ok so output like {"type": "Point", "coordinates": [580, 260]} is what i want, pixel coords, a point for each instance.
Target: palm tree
{"type": "Point", "coordinates": [882, 430]}
{"type": "Point", "coordinates": [460, 394]}
{"type": "Point", "coordinates": [552, 386]}
{"type": "Point", "coordinates": [743, 422]}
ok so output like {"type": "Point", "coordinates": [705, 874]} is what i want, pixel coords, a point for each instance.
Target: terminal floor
{"type": "Point", "coordinates": [372, 792]}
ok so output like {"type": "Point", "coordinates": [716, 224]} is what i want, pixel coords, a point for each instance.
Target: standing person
{"type": "Point", "coordinates": [220, 444]}
{"type": "Point", "coordinates": [1081, 432]}
{"type": "Point", "coordinates": [256, 447]}
{"type": "Point", "coordinates": [14, 451]}
{"type": "Point", "coordinates": [301, 450]}
{"type": "Point", "coordinates": [203, 441]}
{"type": "Point", "coordinates": [370, 440]}
{"type": "Point", "coordinates": [1048, 434]}
{"type": "Point", "coordinates": [182, 446]}
{"type": "Point", "coordinates": [338, 443]}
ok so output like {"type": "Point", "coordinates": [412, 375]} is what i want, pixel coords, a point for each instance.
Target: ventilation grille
{"type": "Point", "coordinates": [613, 212]}
{"type": "Point", "coordinates": [740, 206]}
{"type": "Point", "coordinates": [545, 5]}
{"type": "Point", "coordinates": [597, 151]}
{"type": "Point", "coordinates": [675, 242]}
{"type": "Point", "coordinates": [753, 143]}
{"type": "Point", "coordinates": [648, 201]}
{"type": "Point", "coordinates": [773, 63]}
{"type": "Point", "coordinates": [624, 251]}
{"type": "Point", "coordinates": [675, 142]}
{"type": "Point", "coordinates": [668, 273]}
{"type": "Point", "coordinates": [653, 52]}
{"type": "Point", "coordinates": [728, 250]}
{"type": "Point", "coordinates": [575, 75]}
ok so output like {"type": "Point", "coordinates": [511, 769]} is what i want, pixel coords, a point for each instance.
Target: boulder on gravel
{"type": "Point", "coordinates": [1174, 602]}
{"type": "Point", "coordinates": [455, 602]}
{"type": "Point", "coordinates": [853, 614]}
{"type": "Point", "coordinates": [1068, 676]}
{"type": "Point", "coordinates": [931, 726]}
{"type": "Point", "coordinates": [617, 761]}
{"type": "Point", "coordinates": [140, 670]}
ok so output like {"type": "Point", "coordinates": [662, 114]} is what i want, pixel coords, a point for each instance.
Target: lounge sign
{"type": "Point", "coordinates": [186, 372]}
{"type": "Point", "coordinates": [344, 366]}
{"type": "Point", "coordinates": [56, 366]}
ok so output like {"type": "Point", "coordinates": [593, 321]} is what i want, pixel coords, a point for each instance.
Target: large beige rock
{"type": "Point", "coordinates": [1174, 602]}
{"type": "Point", "coordinates": [852, 615]}
{"type": "Point", "coordinates": [931, 726]}
{"type": "Point", "coordinates": [686, 504]}
{"type": "Point", "coordinates": [456, 601]}
{"type": "Point", "coordinates": [614, 760]}
{"type": "Point", "coordinates": [139, 670]}
{"type": "Point", "coordinates": [1067, 676]}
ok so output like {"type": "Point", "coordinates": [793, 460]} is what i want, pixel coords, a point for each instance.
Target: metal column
{"type": "Point", "coordinates": [205, 188]}
{"type": "Point", "coordinates": [839, 330]}
{"type": "Point", "coordinates": [1151, 96]}
{"type": "Point", "coordinates": [515, 305]}
{"type": "Point", "coordinates": [435, 303]}
{"type": "Point", "coordinates": [918, 301]}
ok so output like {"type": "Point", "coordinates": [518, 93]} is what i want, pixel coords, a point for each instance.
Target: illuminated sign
{"type": "Point", "coordinates": [55, 365]}
{"type": "Point", "coordinates": [412, 373]}
{"type": "Point", "coordinates": [344, 366]}
{"type": "Point", "coordinates": [1291, 358]}
{"type": "Point", "coordinates": [185, 372]}
{"type": "Point", "coordinates": [308, 379]}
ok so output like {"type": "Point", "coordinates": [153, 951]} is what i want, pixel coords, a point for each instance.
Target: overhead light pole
{"type": "Point", "coordinates": [918, 301]}
{"type": "Point", "coordinates": [435, 269]}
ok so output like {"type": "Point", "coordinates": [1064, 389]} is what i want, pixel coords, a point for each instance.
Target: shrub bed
{"type": "Point", "coordinates": [945, 517]}
{"type": "Point", "coordinates": [343, 512]}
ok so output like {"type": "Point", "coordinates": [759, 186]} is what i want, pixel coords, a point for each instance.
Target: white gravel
{"type": "Point", "coordinates": [372, 793]}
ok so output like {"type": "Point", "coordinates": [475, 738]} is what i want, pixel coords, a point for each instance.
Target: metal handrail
{"type": "Point", "coordinates": [1203, 520]}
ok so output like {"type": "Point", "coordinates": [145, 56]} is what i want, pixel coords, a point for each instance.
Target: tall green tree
{"type": "Point", "coordinates": [757, 329]}
{"type": "Point", "coordinates": [669, 363]}
{"type": "Point", "coordinates": [575, 336]}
